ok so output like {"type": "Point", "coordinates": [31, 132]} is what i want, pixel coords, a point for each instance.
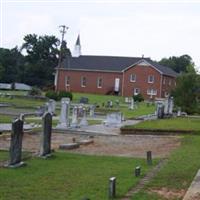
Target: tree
{"type": "Point", "coordinates": [11, 63]}
{"type": "Point", "coordinates": [42, 58]}
{"type": "Point", "coordinates": [180, 64]}
{"type": "Point", "coordinates": [186, 94]}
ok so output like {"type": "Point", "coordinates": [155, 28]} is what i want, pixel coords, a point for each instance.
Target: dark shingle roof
{"type": "Point", "coordinates": [110, 63]}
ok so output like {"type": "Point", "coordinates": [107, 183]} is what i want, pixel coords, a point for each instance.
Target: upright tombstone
{"type": "Point", "coordinates": [113, 119]}
{"type": "Point", "coordinates": [45, 148]}
{"type": "Point", "coordinates": [149, 157]}
{"type": "Point", "coordinates": [112, 187]}
{"type": "Point", "coordinates": [84, 121]}
{"type": "Point", "coordinates": [171, 105]}
{"type": "Point", "coordinates": [16, 144]}
{"type": "Point", "coordinates": [51, 106]}
{"type": "Point", "coordinates": [131, 107]}
{"type": "Point", "coordinates": [160, 111]}
{"type": "Point", "coordinates": [92, 108]}
{"type": "Point", "coordinates": [64, 114]}
{"type": "Point", "coordinates": [74, 122]}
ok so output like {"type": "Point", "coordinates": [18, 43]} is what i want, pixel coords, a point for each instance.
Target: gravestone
{"type": "Point", "coordinates": [84, 121]}
{"type": "Point", "coordinates": [160, 111]}
{"type": "Point", "coordinates": [171, 105]}
{"type": "Point", "coordinates": [74, 122]}
{"type": "Point", "coordinates": [149, 157]}
{"type": "Point", "coordinates": [179, 112]}
{"type": "Point", "coordinates": [64, 114]}
{"type": "Point", "coordinates": [113, 119]}
{"type": "Point", "coordinates": [45, 148]}
{"type": "Point", "coordinates": [16, 144]}
{"type": "Point", "coordinates": [92, 108]}
{"type": "Point", "coordinates": [112, 187]}
{"type": "Point", "coordinates": [137, 171]}
{"type": "Point", "coordinates": [131, 106]}
{"type": "Point", "coordinates": [52, 106]}
{"type": "Point", "coordinates": [84, 100]}
{"type": "Point", "coordinates": [80, 111]}
{"type": "Point", "coordinates": [41, 110]}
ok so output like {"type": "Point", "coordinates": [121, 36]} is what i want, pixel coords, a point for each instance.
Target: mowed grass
{"type": "Point", "coordinates": [69, 176]}
{"type": "Point", "coordinates": [3, 156]}
{"type": "Point", "coordinates": [179, 171]}
{"type": "Point", "coordinates": [185, 123]}
{"type": "Point", "coordinates": [6, 118]}
{"type": "Point", "coordinates": [22, 102]}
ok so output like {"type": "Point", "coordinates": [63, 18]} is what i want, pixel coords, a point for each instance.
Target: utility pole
{"type": "Point", "coordinates": [63, 31]}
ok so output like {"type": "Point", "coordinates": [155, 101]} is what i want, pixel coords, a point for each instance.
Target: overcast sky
{"type": "Point", "coordinates": [156, 29]}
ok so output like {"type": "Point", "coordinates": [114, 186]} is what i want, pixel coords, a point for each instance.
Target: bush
{"type": "Point", "coordinates": [138, 97]}
{"type": "Point", "coordinates": [65, 94]}
{"type": "Point", "coordinates": [58, 95]}
{"type": "Point", "coordinates": [35, 92]}
{"type": "Point", "coordinates": [52, 95]}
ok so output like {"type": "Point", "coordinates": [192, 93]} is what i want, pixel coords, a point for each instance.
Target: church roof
{"type": "Point", "coordinates": [111, 63]}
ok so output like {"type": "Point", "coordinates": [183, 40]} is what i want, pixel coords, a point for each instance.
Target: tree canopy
{"type": "Point", "coordinates": [187, 92]}
{"type": "Point", "coordinates": [179, 64]}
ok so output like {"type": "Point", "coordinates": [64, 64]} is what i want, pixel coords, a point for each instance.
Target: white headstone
{"type": "Point", "coordinates": [74, 122]}
{"type": "Point", "coordinates": [84, 121]}
{"type": "Point", "coordinates": [64, 114]}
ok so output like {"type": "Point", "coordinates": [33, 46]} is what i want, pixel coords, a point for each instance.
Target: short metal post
{"type": "Point", "coordinates": [137, 171]}
{"type": "Point", "coordinates": [149, 158]}
{"type": "Point", "coordinates": [112, 187]}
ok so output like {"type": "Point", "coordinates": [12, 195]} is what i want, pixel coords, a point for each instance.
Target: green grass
{"type": "Point", "coordinates": [170, 124]}
{"type": "Point", "coordinates": [6, 119]}
{"type": "Point", "coordinates": [13, 92]}
{"type": "Point", "coordinates": [3, 156]}
{"type": "Point", "coordinates": [179, 171]}
{"type": "Point", "coordinates": [69, 176]}
{"type": "Point", "coordinates": [22, 102]}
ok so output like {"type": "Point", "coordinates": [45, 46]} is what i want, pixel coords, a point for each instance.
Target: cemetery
{"type": "Point", "coordinates": [80, 143]}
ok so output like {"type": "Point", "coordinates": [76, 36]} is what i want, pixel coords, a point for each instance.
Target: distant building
{"type": "Point", "coordinates": [125, 76]}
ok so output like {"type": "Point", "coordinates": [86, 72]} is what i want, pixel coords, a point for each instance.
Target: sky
{"type": "Point", "coordinates": [153, 28]}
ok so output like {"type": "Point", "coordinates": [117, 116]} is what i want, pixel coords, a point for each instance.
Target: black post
{"type": "Point", "coordinates": [137, 171]}
{"type": "Point", "coordinates": [112, 187]}
{"type": "Point", "coordinates": [149, 158]}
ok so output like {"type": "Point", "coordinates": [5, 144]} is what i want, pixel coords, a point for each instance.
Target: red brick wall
{"type": "Point", "coordinates": [91, 81]}
{"type": "Point", "coordinates": [142, 72]}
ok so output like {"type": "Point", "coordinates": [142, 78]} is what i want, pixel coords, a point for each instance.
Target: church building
{"type": "Point", "coordinates": [124, 76]}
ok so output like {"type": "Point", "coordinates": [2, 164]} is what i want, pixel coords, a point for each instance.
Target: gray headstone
{"type": "Point", "coordinates": [84, 121]}
{"type": "Point", "coordinates": [45, 149]}
{"type": "Point", "coordinates": [113, 119]}
{"type": "Point", "coordinates": [51, 106]}
{"type": "Point", "coordinates": [149, 157]}
{"type": "Point", "coordinates": [16, 143]}
{"type": "Point", "coordinates": [92, 108]}
{"type": "Point", "coordinates": [137, 171]}
{"type": "Point", "coordinates": [112, 187]}
{"type": "Point", "coordinates": [74, 122]}
{"type": "Point", "coordinates": [64, 114]}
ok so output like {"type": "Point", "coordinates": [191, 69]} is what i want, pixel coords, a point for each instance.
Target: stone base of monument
{"type": "Point", "coordinates": [69, 146]}
{"type": "Point", "coordinates": [17, 165]}
{"type": "Point", "coordinates": [45, 156]}
{"type": "Point", "coordinates": [86, 142]}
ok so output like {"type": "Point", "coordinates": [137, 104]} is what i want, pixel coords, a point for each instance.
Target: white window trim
{"type": "Point", "coordinates": [136, 93]}
{"type": "Point", "coordinates": [133, 80]}
{"type": "Point", "coordinates": [67, 78]}
{"type": "Point", "coordinates": [82, 77]}
{"type": "Point", "coordinates": [152, 92]}
{"type": "Point", "coordinates": [152, 80]}
{"type": "Point", "coordinates": [99, 82]}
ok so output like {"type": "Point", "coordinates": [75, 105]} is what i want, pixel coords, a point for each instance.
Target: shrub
{"type": "Point", "coordinates": [52, 95]}
{"type": "Point", "coordinates": [138, 97]}
{"type": "Point", "coordinates": [35, 92]}
{"type": "Point", "coordinates": [65, 94]}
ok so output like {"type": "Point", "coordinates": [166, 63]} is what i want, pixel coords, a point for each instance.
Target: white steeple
{"type": "Point", "coordinates": [77, 48]}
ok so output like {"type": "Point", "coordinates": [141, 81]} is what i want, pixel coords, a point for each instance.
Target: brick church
{"type": "Point", "coordinates": [124, 76]}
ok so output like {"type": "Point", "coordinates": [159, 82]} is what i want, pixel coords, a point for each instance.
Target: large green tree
{"type": "Point", "coordinates": [11, 64]}
{"type": "Point", "coordinates": [41, 59]}
{"type": "Point", "coordinates": [179, 64]}
{"type": "Point", "coordinates": [187, 92]}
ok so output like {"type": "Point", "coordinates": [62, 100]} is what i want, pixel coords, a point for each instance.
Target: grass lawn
{"type": "Point", "coordinates": [69, 176]}
{"type": "Point", "coordinates": [3, 156]}
{"type": "Point", "coordinates": [6, 119]}
{"type": "Point", "coordinates": [22, 102]}
{"type": "Point", "coordinates": [180, 170]}
{"type": "Point", "coordinates": [170, 124]}
{"type": "Point", "coordinates": [13, 92]}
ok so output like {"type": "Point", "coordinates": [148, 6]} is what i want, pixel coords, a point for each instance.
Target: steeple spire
{"type": "Point", "coordinates": [77, 48]}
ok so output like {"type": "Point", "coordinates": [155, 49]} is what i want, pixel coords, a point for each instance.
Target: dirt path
{"type": "Point", "coordinates": [130, 146]}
